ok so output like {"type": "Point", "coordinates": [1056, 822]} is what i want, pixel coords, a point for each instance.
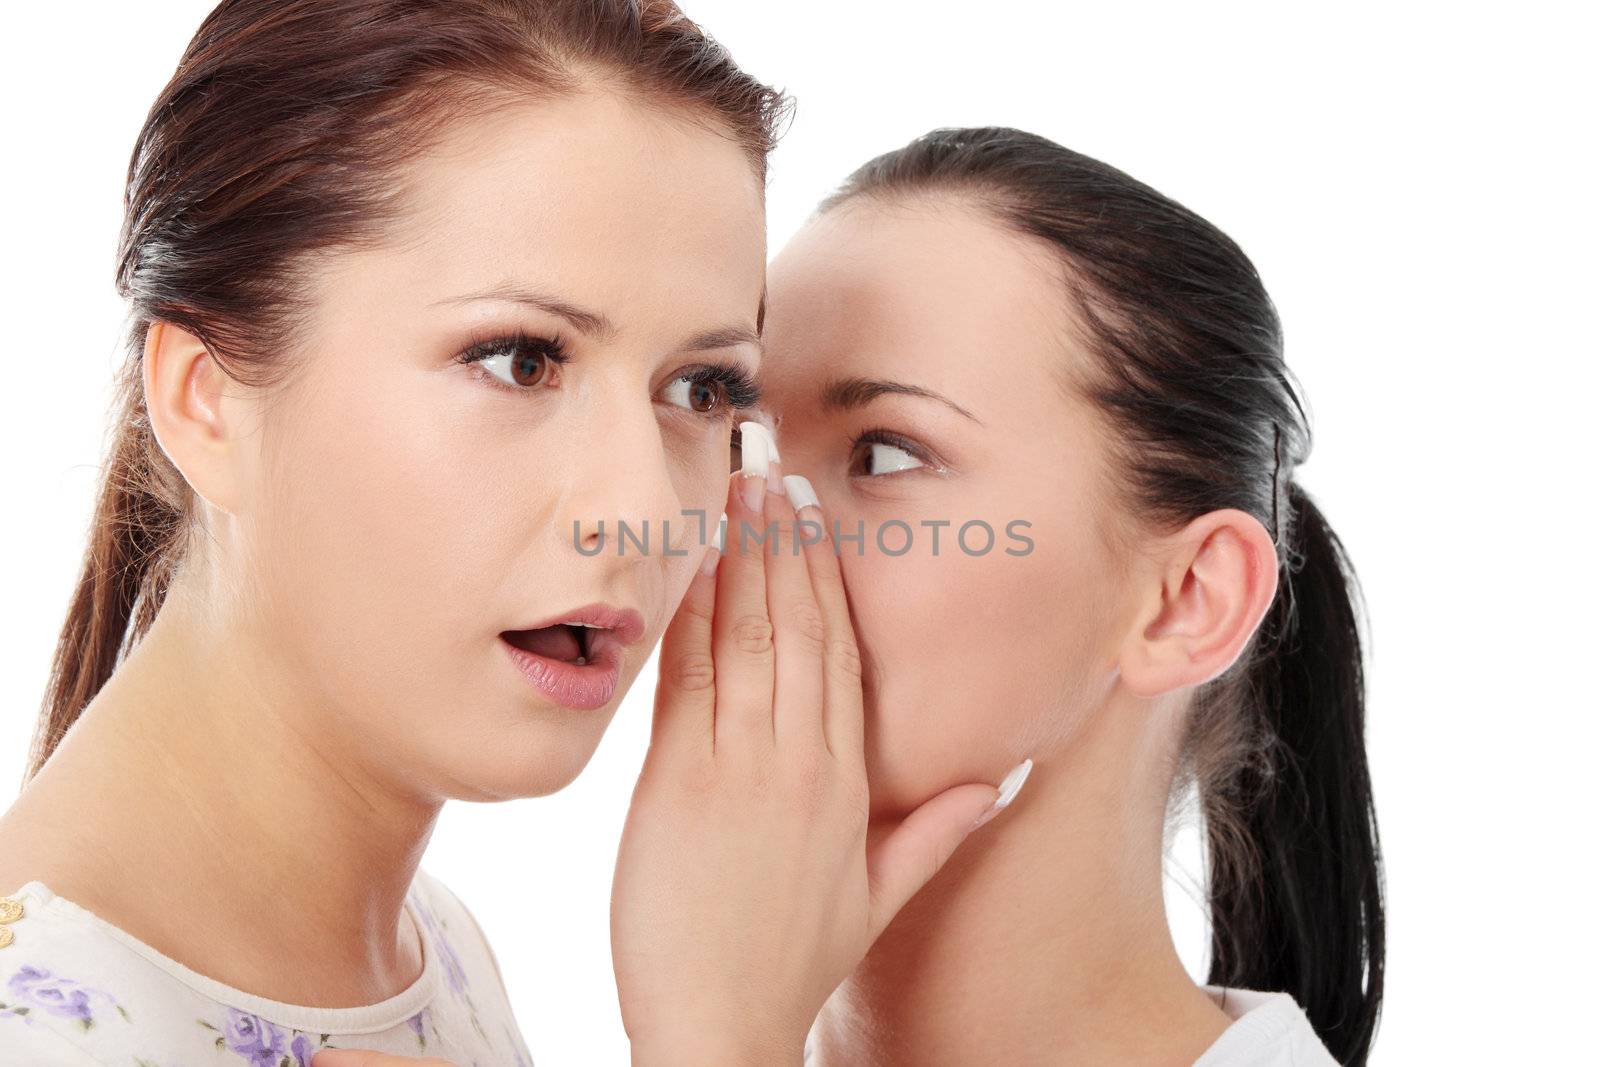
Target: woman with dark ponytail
{"type": "Point", "coordinates": [986, 329]}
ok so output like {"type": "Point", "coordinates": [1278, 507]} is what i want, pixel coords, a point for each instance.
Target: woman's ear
{"type": "Point", "coordinates": [184, 395]}
{"type": "Point", "coordinates": [1212, 583]}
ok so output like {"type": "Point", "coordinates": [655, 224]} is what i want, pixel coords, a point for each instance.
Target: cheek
{"type": "Point", "coordinates": [700, 467]}
{"type": "Point", "coordinates": [369, 549]}
{"type": "Point", "coordinates": [386, 560]}
{"type": "Point", "coordinates": [973, 663]}
{"type": "Point", "coordinates": [380, 499]}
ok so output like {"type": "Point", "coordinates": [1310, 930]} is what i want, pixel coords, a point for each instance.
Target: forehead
{"type": "Point", "coordinates": [592, 195]}
{"type": "Point", "coordinates": [929, 290]}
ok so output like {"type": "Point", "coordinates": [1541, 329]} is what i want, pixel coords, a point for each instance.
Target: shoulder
{"type": "Point", "coordinates": [1268, 1030]}
{"type": "Point", "coordinates": [471, 971]}
{"type": "Point", "coordinates": [452, 928]}
{"type": "Point", "coordinates": [27, 1041]}
{"type": "Point", "coordinates": [431, 890]}
{"type": "Point", "coordinates": [68, 979]}
{"type": "Point", "coordinates": [440, 905]}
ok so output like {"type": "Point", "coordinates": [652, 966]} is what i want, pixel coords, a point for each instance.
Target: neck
{"type": "Point", "coordinates": [205, 802]}
{"type": "Point", "coordinates": [1046, 929]}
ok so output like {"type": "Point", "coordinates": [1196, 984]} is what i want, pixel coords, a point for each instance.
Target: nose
{"type": "Point", "coordinates": [621, 497]}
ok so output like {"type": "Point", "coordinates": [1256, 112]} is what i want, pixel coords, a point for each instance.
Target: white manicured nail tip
{"type": "Point", "coordinates": [1012, 783]}
{"type": "Point", "coordinates": [755, 449]}
{"type": "Point", "coordinates": [798, 486]}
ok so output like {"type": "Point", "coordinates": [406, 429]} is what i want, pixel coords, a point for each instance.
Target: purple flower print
{"type": "Point", "coordinates": [452, 966]}
{"type": "Point", "coordinates": [453, 970]}
{"type": "Point", "coordinates": [261, 1042]}
{"type": "Point", "coordinates": [39, 988]}
{"type": "Point", "coordinates": [254, 1038]}
{"type": "Point", "coordinates": [415, 1022]}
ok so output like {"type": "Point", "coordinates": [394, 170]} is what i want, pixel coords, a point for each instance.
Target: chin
{"type": "Point", "coordinates": [544, 761]}
{"type": "Point", "coordinates": [897, 784]}
{"type": "Point", "coordinates": [912, 760]}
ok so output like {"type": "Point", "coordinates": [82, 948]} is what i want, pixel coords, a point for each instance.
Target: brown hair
{"type": "Point", "coordinates": [280, 134]}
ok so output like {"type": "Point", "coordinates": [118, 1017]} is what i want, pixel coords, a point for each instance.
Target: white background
{"type": "Point", "coordinates": [1417, 186]}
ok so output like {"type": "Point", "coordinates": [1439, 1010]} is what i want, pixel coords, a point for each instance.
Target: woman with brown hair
{"type": "Point", "coordinates": [424, 295]}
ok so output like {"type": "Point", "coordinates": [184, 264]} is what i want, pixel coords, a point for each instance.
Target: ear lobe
{"type": "Point", "coordinates": [1218, 580]}
{"type": "Point", "coordinates": [183, 394]}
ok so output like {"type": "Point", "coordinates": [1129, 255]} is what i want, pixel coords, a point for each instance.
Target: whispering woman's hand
{"type": "Point", "coordinates": [356, 1057]}
{"type": "Point", "coordinates": [745, 889]}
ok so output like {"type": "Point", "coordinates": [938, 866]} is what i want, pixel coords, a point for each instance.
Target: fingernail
{"type": "Point", "coordinates": [708, 562]}
{"type": "Point", "coordinates": [755, 452]}
{"type": "Point", "coordinates": [1010, 785]}
{"type": "Point", "coordinates": [774, 482]}
{"type": "Point", "coordinates": [798, 486]}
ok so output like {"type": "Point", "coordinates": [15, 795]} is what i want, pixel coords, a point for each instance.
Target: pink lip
{"type": "Point", "coordinates": [625, 624]}
{"type": "Point", "coordinates": [590, 685]}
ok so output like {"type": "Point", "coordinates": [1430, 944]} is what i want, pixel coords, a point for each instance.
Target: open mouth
{"type": "Point", "coordinates": [565, 642]}
{"type": "Point", "coordinates": [576, 662]}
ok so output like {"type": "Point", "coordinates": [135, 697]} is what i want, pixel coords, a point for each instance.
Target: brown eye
{"type": "Point", "coordinates": [527, 365]}
{"type": "Point", "coordinates": [705, 396]}
{"type": "Point", "coordinates": [518, 362]}
{"type": "Point", "coordinates": [879, 453]}
{"type": "Point", "coordinates": [529, 368]}
{"type": "Point", "coordinates": [698, 393]}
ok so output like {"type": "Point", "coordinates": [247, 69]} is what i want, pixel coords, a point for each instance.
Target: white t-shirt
{"type": "Point", "coordinates": [1269, 1030]}
{"type": "Point", "coordinates": [75, 990]}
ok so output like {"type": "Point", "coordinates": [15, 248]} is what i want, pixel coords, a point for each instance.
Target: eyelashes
{"type": "Point", "coordinates": [737, 388]}
{"type": "Point", "coordinates": [519, 344]}
{"type": "Point", "coordinates": [879, 435]}
{"type": "Point", "coordinates": [872, 440]}
{"type": "Point", "coordinates": [738, 385]}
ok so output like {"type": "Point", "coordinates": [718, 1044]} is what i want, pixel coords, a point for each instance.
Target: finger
{"type": "Point", "coordinates": [685, 699]}
{"type": "Point", "coordinates": [799, 635]}
{"type": "Point", "coordinates": [843, 713]}
{"type": "Point", "coordinates": [741, 638]}
{"type": "Point", "coordinates": [904, 860]}
{"type": "Point", "coordinates": [359, 1057]}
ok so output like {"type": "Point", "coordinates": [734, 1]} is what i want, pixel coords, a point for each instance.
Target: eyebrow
{"type": "Point", "coordinates": [597, 325]}
{"type": "Point", "coordinates": [843, 394]}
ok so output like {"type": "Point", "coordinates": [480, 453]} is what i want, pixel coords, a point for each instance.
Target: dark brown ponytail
{"type": "Point", "coordinates": [1304, 913]}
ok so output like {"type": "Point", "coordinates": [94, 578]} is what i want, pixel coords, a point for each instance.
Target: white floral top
{"type": "Point", "coordinates": [76, 990]}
